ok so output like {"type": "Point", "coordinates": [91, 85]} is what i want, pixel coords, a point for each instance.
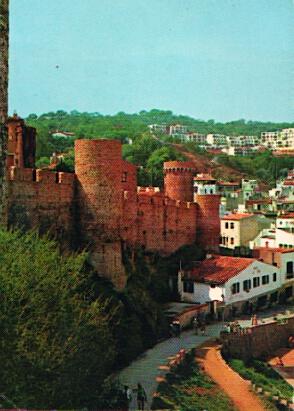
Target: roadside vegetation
{"type": "Point", "coordinates": [261, 374]}
{"type": "Point", "coordinates": [187, 388]}
{"type": "Point", "coordinates": [65, 330]}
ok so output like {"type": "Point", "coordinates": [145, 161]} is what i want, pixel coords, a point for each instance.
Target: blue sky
{"type": "Point", "coordinates": [211, 59]}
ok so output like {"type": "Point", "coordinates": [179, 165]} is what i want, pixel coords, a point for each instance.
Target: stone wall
{"type": "Point", "coordinates": [43, 200]}
{"type": "Point", "coordinates": [259, 341]}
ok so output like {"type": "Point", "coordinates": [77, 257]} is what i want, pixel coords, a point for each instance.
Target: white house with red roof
{"type": "Point", "coordinates": [232, 280]}
{"type": "Point", "coordinates": [204, 184]}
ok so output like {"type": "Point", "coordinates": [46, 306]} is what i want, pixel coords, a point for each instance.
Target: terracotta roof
{"type": "Point", "coordinates": [204, 177]}
{"type": "Point", "coordinates": [219, 269]}
{"type": "Point", "coordinates": [276, 249]}
{"type": "Point", "coordinates": [237, 216]}
{"type": "Point", "coordinates": [262, 201]}
{"type": "Point", "coordinates": [288, 215]}
{"type": "Point", "coordinates": [228, 183]}
{"type": "Point", "coordinates": [288, 183]}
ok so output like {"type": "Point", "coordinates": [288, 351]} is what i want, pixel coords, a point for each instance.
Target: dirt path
{"type": "Point", "coordinates": [232, 384]}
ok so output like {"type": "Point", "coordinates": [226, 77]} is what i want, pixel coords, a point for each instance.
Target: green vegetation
{"type": "Point", "coordinates": [187, 388]}
{"type": "Point", "coordinates": [64, 329]}
{"type": "Point", "coordinates": [261, 374]}
{"type": "Point", "coordinates": [133, 128]}
{"type": "Point", "coordinates": [263, 166]}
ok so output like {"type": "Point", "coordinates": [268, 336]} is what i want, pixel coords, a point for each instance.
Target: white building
{"type": "Point", "coordinates": [158, 128]}
{"type": "Point", "coordinates": [177, 130]}
{"type": "Point", "coordinates": [217, 140]}
{"type": "Point", "coordinates": [278, 139]}
{"type": "Point", "coordinates": [283, 259]}
{"type": "Point", "coordinates": [194, 137]}
{"type": "Point", "coordinates": [237, 229]}
{"type": "Point", "coordinates": [243, 141]}
{"type": "Point", "coordinates": [231, 280]}
{"type": "Point", "coordinates": [204, 184]}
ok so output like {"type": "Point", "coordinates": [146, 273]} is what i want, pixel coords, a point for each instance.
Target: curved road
{"type": "Point", "coordinates": [145, 369]}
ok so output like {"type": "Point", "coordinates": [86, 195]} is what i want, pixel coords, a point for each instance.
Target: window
{"type": "Point", "coordinates": [274, 277]}
{"type": "Point", "coordinates": [235, 288]}
{"type": "Point", "coordinates": [211, 191]}
{"type": "Point", "coordinates": [256, 282]}
{"type": "Point", "coordinates": [188, 287]}
{"type": "Point", "coordinates": [124, 177]}
{"type": "Point", "coordinates": [232, 225]}
{"type": "Point", "coordinates": [227, 225]}
{"type": "Point", "coordinates": [289, 269]}
{"type": "Point", "coordinates": [232, 240]}
{"type": "Point", "coordinates": [265, 279]}
{"type": "Point", "coordinates": [246, 285]}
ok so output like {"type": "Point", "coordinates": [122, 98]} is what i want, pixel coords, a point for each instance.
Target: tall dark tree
{"type": "Point", "coordinates": [4, 38]}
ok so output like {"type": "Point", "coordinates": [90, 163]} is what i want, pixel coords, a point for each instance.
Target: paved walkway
{"type": "Point", "coordinates": [146, 368]}
{"type": "Point", "coordinates": [231, 383]}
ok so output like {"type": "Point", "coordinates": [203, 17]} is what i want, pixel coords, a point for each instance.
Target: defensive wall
{"type": "Point", "coordinates": [100, 207]}
{"type": "Point", "coordinates": [259, 341]}
{"type": "Point", "coordinates": [42, 199]}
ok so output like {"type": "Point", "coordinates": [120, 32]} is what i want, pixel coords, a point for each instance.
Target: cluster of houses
{"type": "Point", "coordinates": [280, 142]}
{"type": "Point", "coordinates": [255, 264]}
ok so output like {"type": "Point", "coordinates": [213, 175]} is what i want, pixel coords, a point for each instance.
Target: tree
{"type": "Point", "coordinates": [4, 38]}
{"type": "Point", "coordinates": [56, 347]}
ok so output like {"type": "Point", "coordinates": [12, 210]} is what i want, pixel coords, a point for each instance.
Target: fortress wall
{"type": "Point", "coordinates": [42, 199]}
{"type": "Point", "coordinates": [158, 223]}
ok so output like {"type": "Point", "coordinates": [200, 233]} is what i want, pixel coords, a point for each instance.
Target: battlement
{"type": "Point", "coordinates": [40, 176]}
{"type": "Point", "coordinates": [179, 166]}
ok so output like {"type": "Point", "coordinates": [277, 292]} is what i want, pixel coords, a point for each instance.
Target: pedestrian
{"type": "Point", "coordinates": [141, 397]}
{"type": "Point", "coordinates": [127, 396]}
{"type": "Point", "coordinates": [195, 325]}
{"type": "Point", "coordinates": [203, 329]}
{"type": "Point", "coordinates": [227, 328]}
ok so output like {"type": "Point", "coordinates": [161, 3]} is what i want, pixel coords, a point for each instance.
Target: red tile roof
{"type": "Point", "coordinates": [219, 269]}
{"type": "Point", "coordinates": [288, 215]}
{"type": "Point", "coordinates": [276, 249]}
{"type": "Point", "coordinates": [228, 183]}
{"type": "Point", "coordinates": [237, 216]}
{"type": "Point", "coordinates": [204, 177]}
{"type": "Point", "coordinates": [288, 183]}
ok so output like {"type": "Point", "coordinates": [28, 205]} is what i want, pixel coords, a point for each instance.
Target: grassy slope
{"type": "Point", "coordinates": [188, 389]}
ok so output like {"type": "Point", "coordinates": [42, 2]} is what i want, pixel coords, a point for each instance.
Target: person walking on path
{"type": "Point", "coordinates": [127, 393]}
{"type": "Point", "coordinates": [195, 325]}
{"type": "Point", "coordinates": [203, 329]}
{"type": "Point", "coordinates": [141, 397]}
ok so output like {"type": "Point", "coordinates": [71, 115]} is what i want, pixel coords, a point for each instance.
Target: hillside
{"type": "Point", "coordinates": [204, 164]}
{"type": "Point", "coordinates": [148, 154]}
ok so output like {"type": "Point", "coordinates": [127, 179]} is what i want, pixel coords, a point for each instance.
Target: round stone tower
{"type": "Point", "coordinates": [178, 180]}
{"type": "Point", "coordinates": [208, 221]}
{"type": "Point", "coordinates": [98, 167]}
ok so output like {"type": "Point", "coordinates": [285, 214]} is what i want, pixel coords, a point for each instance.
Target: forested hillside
{"type": "Point", "coordinates": [146, 152]}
